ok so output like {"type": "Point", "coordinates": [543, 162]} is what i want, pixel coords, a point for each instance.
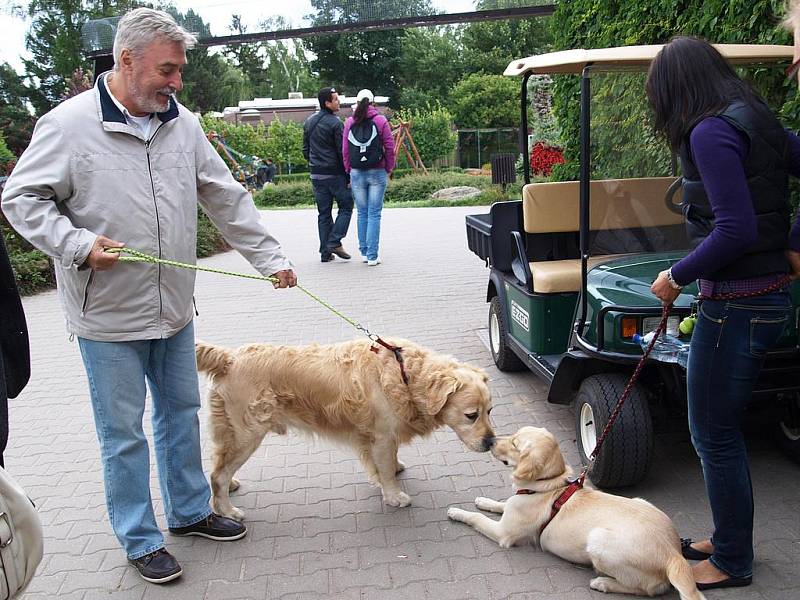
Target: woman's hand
{"type": "Point", "coordinates": [794, 263]}
{"type": "Point", "coordinates": [663, 289]}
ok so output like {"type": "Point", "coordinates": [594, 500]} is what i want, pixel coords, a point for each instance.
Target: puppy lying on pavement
{"type": "Point", "coordinates": [353, 393]}
{"type": "Point", "coordinates": [631, 544]}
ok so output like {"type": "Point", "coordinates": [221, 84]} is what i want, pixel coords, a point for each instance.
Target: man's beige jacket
{"type": "Point", "coordinates": [87, 172]}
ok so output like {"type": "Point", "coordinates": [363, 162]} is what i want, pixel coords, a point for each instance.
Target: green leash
{"type": "Point", "coordinates": [136, 256]}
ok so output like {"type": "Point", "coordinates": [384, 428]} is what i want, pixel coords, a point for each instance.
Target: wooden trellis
{"type": "Point", "coordinates": [402, 136]}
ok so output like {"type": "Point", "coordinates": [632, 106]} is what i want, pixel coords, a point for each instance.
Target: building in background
{"type": "Point", "coordinates": [295, 108]}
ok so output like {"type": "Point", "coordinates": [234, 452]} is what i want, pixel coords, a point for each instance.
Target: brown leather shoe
{"type": "Point", "coordinates": [340, 252]}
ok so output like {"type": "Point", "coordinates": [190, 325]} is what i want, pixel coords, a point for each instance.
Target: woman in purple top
{"type": "Point", "coordinates": [369, 153]}
{"type": "Point", "coordinates": [735, 159]}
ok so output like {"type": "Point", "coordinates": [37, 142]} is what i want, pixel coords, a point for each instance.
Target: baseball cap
{"type": "Point", "coordinates": [365, 94]}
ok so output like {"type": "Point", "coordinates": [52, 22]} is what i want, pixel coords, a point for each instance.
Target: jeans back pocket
{"type": "Point", "coordinates": [765, 331]}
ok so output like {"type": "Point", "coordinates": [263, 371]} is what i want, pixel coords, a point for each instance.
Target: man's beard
{"type": "Point", "coordinates": [147, 103]}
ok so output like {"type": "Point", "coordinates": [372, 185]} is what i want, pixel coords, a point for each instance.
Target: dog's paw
{"type": "Point", "coordinates": [234, 485]}
{"type": "Point", "coordinates": [236, 513]}
{"type": "Point", "coordinates": [400, 467]}
{"type": "Point", "coordinates": [456, 514]}
{"type": "Point", "coordinates": [397, 499]}
{"type": "Point", "coordinates": [484, 503]}
{"type": "Point", "coordinates": [601, 584]}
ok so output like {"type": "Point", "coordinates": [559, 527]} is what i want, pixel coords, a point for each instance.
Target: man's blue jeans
{"type": "Point", "coordinates": [325, 192]}
{"type": "Point", "coordinates": [117, 372]}
{"type": "Point", "coordinates": [729, 343]}
{"type": "Point", "coordinates": [369, 186]}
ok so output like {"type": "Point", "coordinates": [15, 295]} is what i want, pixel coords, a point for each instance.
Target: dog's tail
{"type": "Point", "coordinates": [680, 576]}
{"type": "Point", "coordinates": [213, 360]}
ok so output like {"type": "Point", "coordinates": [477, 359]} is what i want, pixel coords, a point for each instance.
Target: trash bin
{"type": "Point", "coordinates": [504, 168]}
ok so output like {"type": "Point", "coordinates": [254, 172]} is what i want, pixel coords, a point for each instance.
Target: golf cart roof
{"type": "Point", "coordinates": [637, 57]}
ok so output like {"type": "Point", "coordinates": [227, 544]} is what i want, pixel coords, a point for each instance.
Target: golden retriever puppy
{"type": "Point", "coordinates": [631, 544]}
{"type": "Point", "coordinates": [349, 393]}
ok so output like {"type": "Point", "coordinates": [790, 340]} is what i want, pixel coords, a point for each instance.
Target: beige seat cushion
{"type": "Point", "coordinates": [615, 204]}
{"type": "Point", "coordinates": [553, 276]}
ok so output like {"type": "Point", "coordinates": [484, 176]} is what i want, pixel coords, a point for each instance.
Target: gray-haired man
{"type": "Point", "coordinates": [124, 163]}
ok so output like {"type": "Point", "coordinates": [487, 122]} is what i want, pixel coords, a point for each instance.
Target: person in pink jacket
{"type": "Point", "coordinates": [369, 157]}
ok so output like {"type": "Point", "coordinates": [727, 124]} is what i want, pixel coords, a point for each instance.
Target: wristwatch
{"type": "Point", "coordinates": [674, 284]}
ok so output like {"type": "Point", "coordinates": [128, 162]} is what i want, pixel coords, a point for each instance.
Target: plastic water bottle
{"type": "Point", "coordinates": [667, 348]}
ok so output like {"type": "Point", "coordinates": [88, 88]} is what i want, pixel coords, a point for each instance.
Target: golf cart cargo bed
{"type": "Point", "coordinates": [489, 234]}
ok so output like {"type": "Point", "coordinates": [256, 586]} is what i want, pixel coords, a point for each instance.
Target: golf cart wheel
{"type": "Point", "coordinates": [789, 426]}
{"type": "Point", "coordinates": [628, 450]}
{"type": "Point", "coordinates": [503, 356]}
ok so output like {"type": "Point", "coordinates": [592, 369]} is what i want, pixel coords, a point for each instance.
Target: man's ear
{"type": "Point", "coordinates": [438, 391]}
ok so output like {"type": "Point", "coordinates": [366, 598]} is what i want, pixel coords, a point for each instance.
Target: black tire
{"type": "Point", "coordinates": [628, 450]}
{"type": "Point", "coordinates": [788, 427]}
{"type": "Point", "coordinates": [503, 356]}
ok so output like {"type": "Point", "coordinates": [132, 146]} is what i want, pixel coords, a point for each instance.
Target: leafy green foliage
{"type": "Point", "coordinates": [489, 46]}
{"type": "Point", "coordinates": [361, 60]}
{"type": "Point", "coordinates": [5, 154]}
{"type": "Point", "coordinates": [16, 122]}
{"type": "Point", "coordinates": [431, 61]}
{"type": "Point", "coordinates": [245, 139]}
{"type": "Point", "coordinates": [409, 188]}
{"type": "Point", "coordinates": [285, 144]}
{"type": "Point", "coordinates": [596, 24]}
{"type": "Point", "coordinates": [485, 101]}
{"type": "Point", "coordinates": [432, 130]}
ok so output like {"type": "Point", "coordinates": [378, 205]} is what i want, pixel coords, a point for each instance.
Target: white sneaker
{"type": "Point", "coordinates": [372, 263]}
{"type": "Point", "coordinates": [364, 259]}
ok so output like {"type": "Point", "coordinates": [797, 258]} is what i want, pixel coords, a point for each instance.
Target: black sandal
{"type": "Point", "coordinates": [690, 553]}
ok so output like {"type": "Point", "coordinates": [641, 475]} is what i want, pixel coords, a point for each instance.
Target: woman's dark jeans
{"type": "Point", "coordinates": [728, 347]}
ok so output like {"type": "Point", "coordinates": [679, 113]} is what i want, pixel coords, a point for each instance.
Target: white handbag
{"type": "Point", "coordinates": [20, 537]}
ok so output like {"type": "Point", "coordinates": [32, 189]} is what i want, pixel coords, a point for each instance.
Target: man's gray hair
{"type": "Point", "coordinates": [141, 26]}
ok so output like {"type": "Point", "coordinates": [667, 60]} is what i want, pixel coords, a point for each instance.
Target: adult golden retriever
{"type": "Point", "coordinates": [352, 393]}
{"type": "Point", "coordinates": [631, 544]}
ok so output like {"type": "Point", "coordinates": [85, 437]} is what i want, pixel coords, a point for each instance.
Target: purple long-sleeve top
{"type": "Point", "coordinates": [384, 130]}
{"type": "Point", "coordinates": [719, 151]}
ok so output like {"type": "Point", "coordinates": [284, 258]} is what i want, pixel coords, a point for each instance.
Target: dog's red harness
{"type": "Point", "coordinates": [573, 487]}
{"type": "Point", "coordinates": [398, 354]}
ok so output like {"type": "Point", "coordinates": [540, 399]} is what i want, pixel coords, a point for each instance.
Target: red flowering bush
{"type": "Point", "coordinates": [544, 157]}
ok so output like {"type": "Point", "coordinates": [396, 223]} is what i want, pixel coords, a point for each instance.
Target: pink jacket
{"type": "Point", "coordinates": [387, 162]}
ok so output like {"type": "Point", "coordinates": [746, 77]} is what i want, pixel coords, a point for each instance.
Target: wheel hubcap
{"type": "Point", "coordinates": [790, 424]}
{"type": "Point", "coordinates": [494, 333]}
{"type": "Point", "coordinates": [588, 429]}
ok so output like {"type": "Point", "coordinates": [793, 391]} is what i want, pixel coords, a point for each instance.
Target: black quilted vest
{"type": "Point", "coordinates": [767, 178]}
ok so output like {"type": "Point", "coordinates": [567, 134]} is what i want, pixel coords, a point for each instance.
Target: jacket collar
{"type": "Point", "coordinates": [110, 112]}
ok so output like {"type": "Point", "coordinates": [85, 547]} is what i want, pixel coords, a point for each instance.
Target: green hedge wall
{"type": "Point", "coordinates": [607, 23]}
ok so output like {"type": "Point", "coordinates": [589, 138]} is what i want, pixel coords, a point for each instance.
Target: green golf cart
{"type": "Point", "coordinates": [571, 266]}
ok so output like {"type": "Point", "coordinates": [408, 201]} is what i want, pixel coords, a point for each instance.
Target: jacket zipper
{"type": "Point", "coordinates": [86, 293]}
{"type": "Point", "coordinates": [158, 221]}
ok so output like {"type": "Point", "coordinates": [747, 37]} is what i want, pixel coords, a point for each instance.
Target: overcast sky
{"type": "Point", "coordinates": [216, 12]}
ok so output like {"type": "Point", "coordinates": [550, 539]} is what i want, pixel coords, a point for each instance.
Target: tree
{"type": "Point", "coordinates": [16, 121]}
{"type": "Point", "coordinates": [5, 154]}
{"type": "Point", "coordinates": [249, 58]}
{"type": "Point", "coordinates": [285, 143]}
{"type": "Point", "coordinates": [430, 63]}
{"type": "Point", "coordinates": [289, 70]}
{"type": "Point", "coordinates": [54, 41]}
{"type": "Point", "coordinates": [432, 130]}
{"type": "Point", "coordinates": [489, 46]}
{"type": "Point", "coordinates": [479, 101]}
{"type": "Point", "coordinates": [362, 60]}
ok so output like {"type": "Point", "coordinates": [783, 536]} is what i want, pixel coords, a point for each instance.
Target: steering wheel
{"type": "Point", "coordinates": [668, 197]}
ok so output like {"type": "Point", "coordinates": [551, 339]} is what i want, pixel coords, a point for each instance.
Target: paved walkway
{"type": "Point", "coordinates": [317, 529]}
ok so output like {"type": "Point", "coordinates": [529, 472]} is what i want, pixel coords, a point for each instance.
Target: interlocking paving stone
{"type": "Point", "coordinates": [317, 528]}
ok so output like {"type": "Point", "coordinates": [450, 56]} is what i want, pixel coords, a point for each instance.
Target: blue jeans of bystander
{"type": "Point", "coordinates": [369, 186]}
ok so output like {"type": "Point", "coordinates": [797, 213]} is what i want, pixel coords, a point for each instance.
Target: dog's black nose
{"type": "Point", "coordinates": [488, 442]}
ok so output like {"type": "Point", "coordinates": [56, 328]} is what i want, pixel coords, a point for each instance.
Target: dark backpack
{"type": "Point", "coordinates": [366, 145]}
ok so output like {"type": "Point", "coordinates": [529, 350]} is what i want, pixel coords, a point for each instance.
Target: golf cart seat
{"type": "Point", "coordinates": [617, 205]}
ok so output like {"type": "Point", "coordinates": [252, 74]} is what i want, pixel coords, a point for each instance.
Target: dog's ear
{"type": "Point", "coordinates": [439, 389]}
{"type": "Point", "coordinates": [529, 463]}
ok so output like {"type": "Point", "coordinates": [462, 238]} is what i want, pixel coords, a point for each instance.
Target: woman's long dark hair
{"type": "Point", "coordinates": [688, 81]}
{"type": "Point", "coordinates": [361, 110]}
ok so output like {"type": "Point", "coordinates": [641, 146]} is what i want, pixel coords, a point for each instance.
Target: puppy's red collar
{"type": "Point", "coordinates": [398, 354]}
{"type": "Point", "coordinates": [573, 487]}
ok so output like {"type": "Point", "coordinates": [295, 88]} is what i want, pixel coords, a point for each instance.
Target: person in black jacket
{"type": "Point", "coordinates": [322, 148]}
{"type": "Point", "coordinates": [15, 363]}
